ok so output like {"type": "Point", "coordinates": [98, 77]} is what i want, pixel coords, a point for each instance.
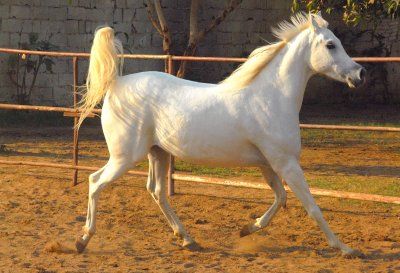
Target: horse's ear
{"type": "Point", "coordinates": [314, 24]}
{"type": "Point", "coordinates": [319, 14]}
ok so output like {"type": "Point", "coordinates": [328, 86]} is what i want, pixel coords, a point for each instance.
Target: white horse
{"type": "Point", "coordinates": [250, 119]}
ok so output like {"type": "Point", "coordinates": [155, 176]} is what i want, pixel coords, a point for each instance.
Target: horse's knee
{"type": "Point", "coordinates": [96, 185]}
{"type": "Point", "coordinates": [93, 177]}
{"type": "Point", "coordinates": [93, 183]}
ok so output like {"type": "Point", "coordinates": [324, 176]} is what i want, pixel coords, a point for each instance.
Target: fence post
{"type": "Point", "coordinates": [76, 118]}
{"type": "Point", "coordinates": [171, 169]}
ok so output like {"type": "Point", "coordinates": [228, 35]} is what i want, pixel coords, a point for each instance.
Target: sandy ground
{"type": "Point", "coordinates": [41, 214]}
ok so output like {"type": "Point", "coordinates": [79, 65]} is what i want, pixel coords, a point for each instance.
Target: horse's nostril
{"type": "Point", "coordinates": [363, 73]}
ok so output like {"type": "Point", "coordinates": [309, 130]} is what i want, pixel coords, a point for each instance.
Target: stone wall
{"type": "Point", "coordinates": [71, 28]}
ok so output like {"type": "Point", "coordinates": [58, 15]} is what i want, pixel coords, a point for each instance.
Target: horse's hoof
{"type": "Point", "coordinates": [353, 254]}
{"type": "Point", "coordinates": [191, 246]}
{"type": "Point", "coordinates": [246, 230]}
{"type": "Point", "coordinates": [80, 245]}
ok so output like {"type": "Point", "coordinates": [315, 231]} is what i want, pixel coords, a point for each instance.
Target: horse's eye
{"type": "Point", "coordinates": [330, 45]}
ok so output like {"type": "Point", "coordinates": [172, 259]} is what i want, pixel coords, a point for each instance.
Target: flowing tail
{"type": "Point", "coordinates": [104, 67]}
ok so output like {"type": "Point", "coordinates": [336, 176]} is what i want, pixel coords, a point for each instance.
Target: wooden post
{"type": "Point", "coordinates": [171, 169]}
{"type": "Point", "coordinates": [76, 118]}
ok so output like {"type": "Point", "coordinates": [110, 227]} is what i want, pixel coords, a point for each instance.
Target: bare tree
{"type": "Point", "coordinates": [157, 18]}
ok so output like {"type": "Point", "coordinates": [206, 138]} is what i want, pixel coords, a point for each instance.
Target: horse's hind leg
{"type": "Point", "coordinates": [280, 200]}
{"type": "Point", "coordinates": [97, 181]}
{"type": "Point", "coordinates": [158, 167]}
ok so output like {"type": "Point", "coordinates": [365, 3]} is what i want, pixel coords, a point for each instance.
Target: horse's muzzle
{"type": "Point", "coordinates": [359, 79]}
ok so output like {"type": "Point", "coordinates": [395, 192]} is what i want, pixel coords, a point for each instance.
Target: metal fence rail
{"type": "Point", "coordinates": [169, 64]}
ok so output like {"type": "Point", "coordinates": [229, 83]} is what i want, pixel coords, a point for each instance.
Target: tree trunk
{"type": "Point", "coordinates": [196, 37]}
{"type": "Point", "coordinates": [156, 17]}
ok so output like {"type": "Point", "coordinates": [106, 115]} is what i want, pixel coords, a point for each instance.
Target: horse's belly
{"type": "Point", "coordinates": [226, 153]}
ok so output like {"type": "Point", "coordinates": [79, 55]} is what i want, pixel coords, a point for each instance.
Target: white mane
{"type": "Point", "coordinates": [260, 57]}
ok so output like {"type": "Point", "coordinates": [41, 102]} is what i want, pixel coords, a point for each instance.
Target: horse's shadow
{"type": "Point", "coordinates": [327, 253]}
{"type": "Point", "coordinates": [373, 255]}
{"type": "Point", "coordinates": [272, 252]}
{"type": "Point", "coordinates": [380, 255]}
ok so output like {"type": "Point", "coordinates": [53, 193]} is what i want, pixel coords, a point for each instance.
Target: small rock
{"type": "Point", "coordinates": [253, 215]}
{"type": "Point", "coordinates": [13, 205]}
{"type": "Point", "coordinates": [395, 245]}
{"type": "Point", "coordinates": [201, 222]}
{"type": "Point", "coordinates": [188, 265]}
{"type": "Point", "coordinates": [80, 218]}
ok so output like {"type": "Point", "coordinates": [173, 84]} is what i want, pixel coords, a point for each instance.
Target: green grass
{"type": "Point", "coordinates": [315, 138]}
{"type": "Point", "coordinates": [216, 172]}
{"type": "Point", "coordinates": [367, 184]}
{"type": "Point", "coordinates": [181, 166]}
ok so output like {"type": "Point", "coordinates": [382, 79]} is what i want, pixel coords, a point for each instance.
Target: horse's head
{"type": "Point", "coordinates": [328, 57]}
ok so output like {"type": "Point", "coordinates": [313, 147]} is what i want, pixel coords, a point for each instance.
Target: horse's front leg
{"type": "Point", "coordinates": [280, 200]}
{"type": "Point", "coordinates": [158, 167]}
{"type": "Point", "coordinates": [289, 169]}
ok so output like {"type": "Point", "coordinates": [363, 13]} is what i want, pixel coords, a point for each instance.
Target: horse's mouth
{"type": "Point", "coordinates": [350, 83]}
{"type": "Point", "coordinates": [355, 83]}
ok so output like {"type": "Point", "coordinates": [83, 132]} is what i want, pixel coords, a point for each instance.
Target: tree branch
{"type": "Point", "coordinates": [36, 70]}
{"type": "Point", "coordinates": [193, 22]}
{"type": "Point", "coordinates": [15, 82]}
{"type": "Point", "coordinates": [150, 13]}
{"type": "Point", "coordinates": [164, 27]}
{"type": "Point", "coordinates": [196, 36]}
{"type": "Point", "coordinates": [233, 4]}
{"type": "Point", "coordinates": [193, 35]}
{"type": "Point", "coordinates": [154, 11]}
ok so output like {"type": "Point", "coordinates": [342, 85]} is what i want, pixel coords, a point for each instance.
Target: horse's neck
{"type": "Point", "coordinates": [289, 73]}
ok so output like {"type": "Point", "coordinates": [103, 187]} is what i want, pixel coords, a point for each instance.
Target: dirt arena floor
{"type": "Point", "coordinates": [41, 214]}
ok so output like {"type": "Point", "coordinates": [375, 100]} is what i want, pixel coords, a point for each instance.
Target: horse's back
{"type": "Point", "coordinates": [153, 81]}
